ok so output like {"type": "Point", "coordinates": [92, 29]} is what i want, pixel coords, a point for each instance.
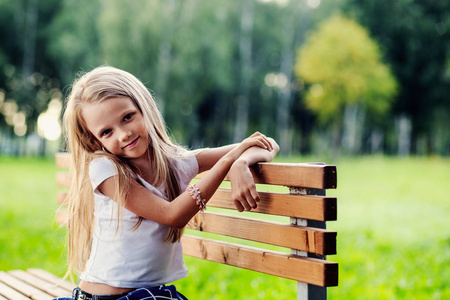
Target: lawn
{"type": "Point", "coordinates": [393, 232]}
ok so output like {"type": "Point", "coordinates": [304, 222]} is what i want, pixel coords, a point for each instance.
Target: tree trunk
{"type": "Point", "coordinates": [376, 141]}
{"type": "Point", "coordinates": [245, 56]}
{"type": "Point", "coordinates": [296, 23]}
{"type": "Point", "coordinates": [284, 133]}
{"type": "Point", "coordinates": [165, 52]}
{"type": "Point", "coordinates": [354, 118]}
{"type": "Point", "coordinates": [336, 139]}
{"type": "Point", "coordinates": [404, 131]}
{"type": "Point", "coordinates": [29, 42]}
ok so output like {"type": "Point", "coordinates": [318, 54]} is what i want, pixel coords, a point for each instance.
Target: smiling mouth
{"type": "Point", "coordinates": [131, 144]}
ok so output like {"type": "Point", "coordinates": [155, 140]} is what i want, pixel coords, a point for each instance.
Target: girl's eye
{"type": "Point", "coordinates": [105, 132]}
{"type": "Point", "coordinates": [128, 117]}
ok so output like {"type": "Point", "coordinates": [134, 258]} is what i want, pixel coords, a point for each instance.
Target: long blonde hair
{"type": "Point", "coordinates": [99, 85]}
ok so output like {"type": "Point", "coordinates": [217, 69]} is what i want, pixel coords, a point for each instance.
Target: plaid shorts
{"type": "Point", "coordinates": [163, 292]}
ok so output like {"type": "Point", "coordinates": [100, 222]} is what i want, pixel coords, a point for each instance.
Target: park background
{"type": "Point", "coordinates": [362, 84]}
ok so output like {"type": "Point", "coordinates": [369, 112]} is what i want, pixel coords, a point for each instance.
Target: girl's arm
{"type": "Point", "coordinates": [208, 157]}
{"type": "Point", "coordinates": [243, 189]}
{"type": "Point", "coordinates": [244, 194]}
{"type": "Point", "coordinates": [178, 212]}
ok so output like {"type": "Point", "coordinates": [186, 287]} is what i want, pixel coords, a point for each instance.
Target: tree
{"type": "Point", "coordinates": [27, 80]}
{"type": "Point", "coordinates": [416, 38]}
{"type": "Point", "coordinates": [245, 61]}
{"type": "Point", "coordinates": [342, 66]}
{"type": "Point", "coordinates": [74, 38]}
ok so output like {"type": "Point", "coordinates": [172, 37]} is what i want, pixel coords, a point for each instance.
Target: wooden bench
{"type": "Point", "coordinates": [34, 284]}
{"type": "Point", "coordinates": [285, 236]}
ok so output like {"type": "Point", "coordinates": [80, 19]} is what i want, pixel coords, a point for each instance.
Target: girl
{"type": "Point", "coordinates": [130, 196]}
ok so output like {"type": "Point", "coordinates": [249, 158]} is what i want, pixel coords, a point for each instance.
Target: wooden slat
{"type": "Point", "coordinates": [9, 293]}
{"type": "Point", "coordinates": [306, 176]}
{"type": "Point", "coordinates": [313, 240]}
{"type": "Point", "coordinates": [63, 179]}
{"type": "Point", "coordinates": [24, 288]}
{"type": "Point", "coordinates": [307, 239]}
{"type": "Point", "coordinates": [299, 175]}
{"type": "Point", "coordinates": [61, 198]}
{"type": "Point", "coordinates": [63, 160]}
{"type": "Point", "coordinates": [52, 279]}
{"type": "Point", "coordinates": [313, 271]}
{"type": "Point", "coordinates": [62, 216]}
{"type": "Point", "coordinates": [318, 208]}
{"type": "Point", "coordinates": [39, 283]}
{"type": "Point", "coordinates": [303, 175]}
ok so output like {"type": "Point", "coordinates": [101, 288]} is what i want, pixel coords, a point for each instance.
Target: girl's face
{"type": "Point", "coordinates": [119, 126]}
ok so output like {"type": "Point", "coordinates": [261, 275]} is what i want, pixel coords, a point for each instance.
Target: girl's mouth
{"type": "Point", "coordinates": [131, 145]}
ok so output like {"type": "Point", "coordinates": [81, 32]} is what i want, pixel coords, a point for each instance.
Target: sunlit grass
{"type": "Point", "coordinates": [29, 237]}
{"type": "Point", "coordinates": [393, 229]}
{"type": "Point", "coordinates": [393, 232]}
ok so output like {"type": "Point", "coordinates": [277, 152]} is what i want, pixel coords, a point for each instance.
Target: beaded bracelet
{"type": "Point", "coordinates": [196, 195]}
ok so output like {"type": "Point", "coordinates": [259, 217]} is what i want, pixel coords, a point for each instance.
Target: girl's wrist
{"type": "Point", "coordinates": [233, 155]}
{"type": "Point", "coordinates": [227, 161]}
{"type": "Point", "coordinates": [238, 166]}
{"type": "Point", "coordinates": [241, 162]}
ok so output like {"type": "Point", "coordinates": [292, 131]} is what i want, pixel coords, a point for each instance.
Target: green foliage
{"type": "Point", "coordinates": [343, 66]}
{"type": "Point", "coordinates": [74, 38]}
{"type": "Point", "coordinates": [392, 242]}
{"type": "Point", "coordinates": [415, 37]}
{"type": "Point", "coordinates": [189, 53]}
{"type": "Point", "coordinates": [27, 74]}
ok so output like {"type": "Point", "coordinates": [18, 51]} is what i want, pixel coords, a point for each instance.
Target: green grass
{"type": "Point", "coordinates": [393, 232]}
{"type": "Point", "coordinates": [29, 237]}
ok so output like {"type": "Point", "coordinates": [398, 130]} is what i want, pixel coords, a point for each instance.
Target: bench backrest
{"type": "Point", "coordinates": [291, 215]}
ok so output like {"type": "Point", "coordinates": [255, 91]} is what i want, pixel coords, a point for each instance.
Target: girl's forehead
{"type": "Point", "coordinates": [106, 112]}
{"type": "Point", "coordinates": [110, 105]}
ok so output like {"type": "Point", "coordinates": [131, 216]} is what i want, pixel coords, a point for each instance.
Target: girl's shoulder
{"type": "Point", "coordinates": [186, 163]}
{"type": "Point", "coordinates": [101, 168]}
{"type": "Point", "coordinates": [101, 161]}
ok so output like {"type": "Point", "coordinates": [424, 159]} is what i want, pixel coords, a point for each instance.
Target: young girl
{"type": "Point", "coordinates": [130, 196]}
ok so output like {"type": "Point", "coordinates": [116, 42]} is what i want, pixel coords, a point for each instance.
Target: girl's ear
{"type": "Point", "coordinates": [99, 145]}
{"type": "Point", "coordinates": [105, 150]}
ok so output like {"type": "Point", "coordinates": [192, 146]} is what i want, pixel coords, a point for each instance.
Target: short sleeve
{"type": "Point", "coordinates": [187, 168]}
{"type": "Point", "coordinates": [101, 169]}
{"type": "Point", "coordinates": [192, 166]}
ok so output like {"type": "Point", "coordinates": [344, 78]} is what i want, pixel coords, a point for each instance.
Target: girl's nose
{"type": "Point", "coordinates": [125, 135]}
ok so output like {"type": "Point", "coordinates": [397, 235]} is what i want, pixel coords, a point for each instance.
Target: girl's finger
{"type": "Point", "coordinates": [254, 195]}
{"type": "Point", "coordinates": [245, 204]}
{"type": "Point", "coordinates": [250, 200]}
{"type": "Point", "coordinates": [266, 143]}
{"type": "Point", "coordinates": [238, 206]}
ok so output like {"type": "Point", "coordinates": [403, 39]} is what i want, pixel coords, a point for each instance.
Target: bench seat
{"type": "Point", "coordinates": [36, 284]}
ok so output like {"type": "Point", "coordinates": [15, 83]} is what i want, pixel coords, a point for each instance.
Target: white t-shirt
{"type": "Point", "coordinates": [127, 258]}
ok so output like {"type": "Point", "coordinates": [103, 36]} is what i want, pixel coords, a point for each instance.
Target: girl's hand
{"type": "Point", "coordinates": [257, 139]}
{"type": "Point", "coordinates": [243, 189]}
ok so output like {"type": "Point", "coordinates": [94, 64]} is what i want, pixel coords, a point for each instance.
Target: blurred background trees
{"type": "Point", "coordinates": [370, 76]}
{"type": "Point", "coordinates": [348, 83]}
